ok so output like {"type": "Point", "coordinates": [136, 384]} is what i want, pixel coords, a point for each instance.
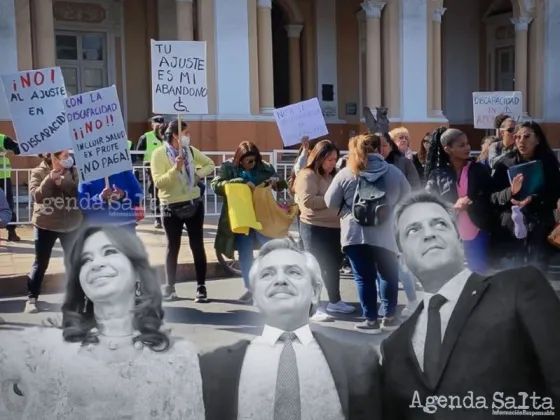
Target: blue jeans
{"type": "Point", "coordinates": [409, 287]}
{"type": "Point", "coordinates": [245, 245]}
{"type": "Point", "coordinates": [476, 253]}
{"type": "Point", "coordinates": [366, 261]}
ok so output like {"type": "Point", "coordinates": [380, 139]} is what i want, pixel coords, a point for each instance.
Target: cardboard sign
{"type": "Point", "coordinates": [304, 119]}
{"type": "Point", "coordinates": [35, 99]}
{"type": "Point", "coordinates": [98, 133]}
{"type": "Point", "coordinates": [179, 84]}
{"type": "Point", "coordinates": [487, 105]}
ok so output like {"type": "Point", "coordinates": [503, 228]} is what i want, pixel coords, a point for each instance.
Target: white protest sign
{"type": "Point", "coordinates": [304, 119]}
{"type": "Point", "coordinates": [486, 105]}
{"type": "Point", "coordinates": [35, 99]}
{"type": "Point", "coordinates": [179, 84]}
{"type": "Point", "coordinates": [97, 129]}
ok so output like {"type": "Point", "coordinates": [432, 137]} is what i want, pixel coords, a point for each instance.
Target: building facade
{"type": "Point", "coordinates": [422, 59]}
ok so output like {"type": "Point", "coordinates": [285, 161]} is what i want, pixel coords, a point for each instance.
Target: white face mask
{"type": "Point", "coordinates": [67, 163]}
{"type": "Point", "coordinates": [186, 140]}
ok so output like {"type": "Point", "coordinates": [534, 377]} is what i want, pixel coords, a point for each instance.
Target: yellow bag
{"type": "Point", "coordinates": [240, 208]}
{"type": "Point", "coordinates": [275, 221]}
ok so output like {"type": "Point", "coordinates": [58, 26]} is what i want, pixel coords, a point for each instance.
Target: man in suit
{"type": "Point", "coordinates": [290, 372]}
{"type": "Point", "coordinates": [487, 337]}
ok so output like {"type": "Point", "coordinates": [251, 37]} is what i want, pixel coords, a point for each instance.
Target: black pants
{"type": "Point", "coordinates": [44, 243]}
{"type": "Point", "coordinates": [6, 185]}
{"type": "Point", "coordinates": [173, 227]}
{"type": "Point", "coordinates": [324, 244]}
{"type": "Point", "coordinates": [154, 191]}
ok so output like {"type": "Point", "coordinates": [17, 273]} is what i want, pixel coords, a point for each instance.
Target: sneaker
{"type": "Point", "coordinates": [369, 326]}
{"type": "Point", "coordinates": [201, 296]}
{"type": "Point", "coordinates": [346, 270]}
{"type": "Point", "coordinates": [321, 316]}
{"type": "Point", "coordinates": [157, 223]}
{"type": "Point", "coordinates": [13, 237]}
{"type": "Point", "coordinates": [340, 307]}
{"type": "Point", "coordinates": [246, 297]}
{"type": "Point", "coordinates": [390, 324]}
{"type": "Point", "coordinates": [409, 309]}
{"type": "Point", "coordinates": [169, 293]}
{"type": "Point", "coordinates": [31, 306]}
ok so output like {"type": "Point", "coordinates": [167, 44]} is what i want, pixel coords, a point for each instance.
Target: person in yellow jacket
{"type": "Point", "coordinates": [147, 143]}
{"type": "Point", "coordinates": [177, 169]}
{"type": "Point", "coordinates": [8, 147]}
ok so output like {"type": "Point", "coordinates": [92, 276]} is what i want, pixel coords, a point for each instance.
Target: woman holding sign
{"type": "Point", "coordinates": [177, 168]}
{"type": "Point", "coordinates": [526, 197]}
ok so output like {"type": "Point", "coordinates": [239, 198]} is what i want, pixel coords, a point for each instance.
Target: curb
{"type": "Point", "coordinates": [16, 286]}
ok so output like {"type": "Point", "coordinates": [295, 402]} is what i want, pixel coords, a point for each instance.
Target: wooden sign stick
{"type": "Point", "coordinates": [179, 135]}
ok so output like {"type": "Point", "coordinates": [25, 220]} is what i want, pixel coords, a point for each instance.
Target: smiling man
{"type": "Point", "coordinates": [290, 372]}
{"type": "Point", "coordinates": [470, 334]}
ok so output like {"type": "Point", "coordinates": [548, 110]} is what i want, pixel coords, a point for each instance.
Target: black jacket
{"type": "Point", "coordinates": [503, 336]}
{"type": "Point", "coordinates": [443, 181]}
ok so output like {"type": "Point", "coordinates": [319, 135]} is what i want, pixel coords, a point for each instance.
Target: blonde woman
{"type": "Point", "coordinates": [370, 249]}
{"type": "Point", "coordinates": [401, 137]}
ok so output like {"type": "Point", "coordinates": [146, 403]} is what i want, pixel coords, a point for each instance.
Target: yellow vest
{"type": "Point", "coordinates": [129, 143]}
{"type": "Point", "coordinates": [152, 143]}
{"type": "Point", "coordinates": [5, 167]}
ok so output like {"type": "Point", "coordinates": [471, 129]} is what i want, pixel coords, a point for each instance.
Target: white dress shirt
{"type": "Point", "coordinates": [451, 291]}
{"type": "Point", "coordinates": [257, 385]}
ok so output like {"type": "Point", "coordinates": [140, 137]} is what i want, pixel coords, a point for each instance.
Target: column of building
{"type": "Point", "coordinates": [373, 11]}
{"type": "Point", "coordinates": [43, 33]}
{"type": "Point", "coordinates": [436, 54]}
{"type": "Point", "coordinates": [185, 27]}
{"type": "Point", "coordinates": [266, 67]}
{"type": "Point", "coordinates": [522, 56]}
{"type": "Point", "coordinates": [294, 32]}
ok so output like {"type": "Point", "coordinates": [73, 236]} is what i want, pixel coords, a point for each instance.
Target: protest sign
{"type": "Point", "coordinates": [35, 99]}
{"type": "Point", "coordinates": [97, 130]}
{"type": "Point", "coordinates": [179, 84]}
{"type": "Point", "coordinates": [304, 119]}
{"type": "Point", "coordinates": [486, 105]}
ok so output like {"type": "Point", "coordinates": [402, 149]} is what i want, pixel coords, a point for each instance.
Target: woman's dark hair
{"type": "Point", "coordinates": [437, 157]}
{"type": "Point", "coordinates": [167, 130]}
{"type": "Point", "coordinates": [394, 148]}
{"type": "Point", "coordinates": [318, 156]}
{"type": "Point", "coordinates": [500, 119]}
{"type": "Point", "coordinates": [47, 157]}
{"type": "Point", "coordinates": [423, 152]}
{"type": "Point", "coordinates": [78, 318]}
{"type": "Point", "coordinates": [543, 149]}
{"type": "Point", "coordinates": [247, 148]}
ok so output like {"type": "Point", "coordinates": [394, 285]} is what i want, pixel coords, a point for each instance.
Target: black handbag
{"type": "Point", "coordinates": [184, 210]}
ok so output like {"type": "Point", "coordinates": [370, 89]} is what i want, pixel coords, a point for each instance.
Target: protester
{"type": "Point", "coordinates": [466, 185]}
{"type": "Point", "coordinates": [300, 162]}
{"type": "Point", "coordinates": [320, 226]}
{"type": "Point", "coordinates": [505, 126]}
{"type": "Point", "coordinates": [177, 169]}
{"type": "Point", "coordinates": [147, 143]}
{"type": "Point", "coordinates": [53, 185]}
{"type": "Point", "coordinates": [9, 148]}
{"type": "Point", "coordinates": [113, 358]}
{"type": "Point", "coordinates": [527, 222]}
{"type": "Point", "coordinates": [112, 200]}
{"type": "Point", "coordinates": [371, 249]}
{"type": "Point", "coordinates": [473, 338]}
{"type": "Point", "coordinates": [394, 156]}
{"type": "Point", "coordinates": [485, 149]}
{"type": "Point", "coordinates": [401, 137]}
{"type": "Point", "coordinates": [5, 211]}
{"type": "Point", "coordinates": [419, 158]}
{"type": "Point", "coordinates": [246, 167]}
{"type": "Point", "coordinates": [290, 371]}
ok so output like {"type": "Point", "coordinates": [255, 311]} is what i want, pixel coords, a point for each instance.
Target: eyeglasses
{"type": "Point", "coordinates": [510, 130]}
{"type": "Point", "coordinates": [250, 161]}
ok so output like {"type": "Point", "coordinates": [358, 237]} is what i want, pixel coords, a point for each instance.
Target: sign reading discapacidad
{"type": "Point", "coordinates": [179, 83]}
{"type": "Point", "coordinates": [98, 134]}
{"type": "Point", "coordinates": [487, 105]}
{"type": "Point", "coordinates": [35, 99]}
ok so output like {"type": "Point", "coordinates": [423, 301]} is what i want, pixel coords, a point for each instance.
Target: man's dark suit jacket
{"type": "Point", "coordinates": [503, 336]}
{"type": "Point", "coordinates": [354, 367]}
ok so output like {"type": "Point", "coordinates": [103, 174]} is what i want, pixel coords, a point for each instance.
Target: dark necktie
{"type": "Point", "coordinates": [287, 403]}
{"type": "Point", "coordinates": [432, 347]}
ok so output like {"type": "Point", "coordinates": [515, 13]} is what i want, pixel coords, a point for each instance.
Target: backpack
{"type": "Point", "coordinates": [370, 206]}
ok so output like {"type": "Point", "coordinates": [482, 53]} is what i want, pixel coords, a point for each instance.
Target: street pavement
{"type": "Point", "coordinates": [220, 322]}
